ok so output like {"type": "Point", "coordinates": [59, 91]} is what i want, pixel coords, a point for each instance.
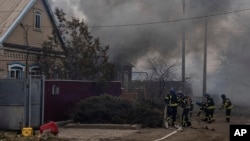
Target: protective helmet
{"type": "Point", "coordinates": [180, 94]}
{"type": "Point", "coordinates": [223, 96]}
{"type": "Point", "coordinates": [207, 95]}
{"type": "Point", "coordinates": [172, 90]}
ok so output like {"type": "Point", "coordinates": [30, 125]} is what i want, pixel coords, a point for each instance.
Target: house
{"type": "Point", "coordinates": [24, 26]}
{"type": "Point", "coordinates": [124, 74]}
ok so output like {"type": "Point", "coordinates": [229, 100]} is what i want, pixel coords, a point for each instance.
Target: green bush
{"type": "Point", "coordinates": [109, 109]}
{"type": "Point", "coordinates": [148, 114]}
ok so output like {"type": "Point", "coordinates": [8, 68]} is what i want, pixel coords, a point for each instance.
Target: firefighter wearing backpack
{"type": "Point", "coordinates": [172, 102]}
{"type": "Point", "coordinates": [226, 104]}
{"type": "Point", "coordinates": [186, 104]}
{"type": "Point", "coordinates": [209, 108]}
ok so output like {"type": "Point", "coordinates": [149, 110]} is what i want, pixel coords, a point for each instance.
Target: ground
{"type": "Point", "coordinates": [200, 131]}
{"type": "Point", "coordinates": [217, 131]}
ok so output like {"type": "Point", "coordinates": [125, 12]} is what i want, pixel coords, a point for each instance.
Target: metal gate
{"type": "Point", "coordinates": [21, 103]}
{"type": "Point", "coordinates": [35, 104]}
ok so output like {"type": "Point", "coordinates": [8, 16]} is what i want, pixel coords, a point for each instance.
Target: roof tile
{"type": "Point", "coordinates": [9, 11]}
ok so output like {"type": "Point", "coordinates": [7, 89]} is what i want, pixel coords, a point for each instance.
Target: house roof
{"type": "Point", "coordinates": [13, 11]}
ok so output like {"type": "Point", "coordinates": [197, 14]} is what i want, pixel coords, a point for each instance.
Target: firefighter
{"type": "Point", "coordinates": [172, 101]}
{"type": "Point", "coordinates": [202, 109]}
{"type": "Point", "coordinates": [209, 108]}
{"type": "Point", "coordinates": [167, 111]}
{"type": "Point", "coordinates": [191, 108]}
{"type": "Point", "coordinates": [226, 104]}
{"type": "Point", "coordinates": [185, 103]}
{"type": "Point", "coordinates": [180, 95]}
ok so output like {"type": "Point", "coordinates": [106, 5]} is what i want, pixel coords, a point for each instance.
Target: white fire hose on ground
{"type": "Point", "coordinates": [170, 134]}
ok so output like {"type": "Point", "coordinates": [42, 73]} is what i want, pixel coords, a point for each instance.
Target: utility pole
{"type": "Point", "coordinates": [183, 48]}
{"type": "Point", "coordinates": [28, 98]}
{"type": "Point", "coordinates": [205, 61]}
{"type": "Point", "coordinates": [26, 29]}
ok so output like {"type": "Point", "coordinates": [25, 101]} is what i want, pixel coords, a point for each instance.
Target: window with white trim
{"type": "Point", "coordinates": [35, 70]}
{"type": "Point", "coordinates": [38, 20]}
{"type": "Point", "coordinates": [16, 71]}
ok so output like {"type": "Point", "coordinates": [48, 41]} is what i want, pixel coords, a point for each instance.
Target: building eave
{"type": "Point", "coordinates": [54, 21]}
{"type": "Point", "coordinates": [17, 21]}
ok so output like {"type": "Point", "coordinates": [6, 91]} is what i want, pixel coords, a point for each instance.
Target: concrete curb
{"type": "Point", "coordinates": [104, 126]}
{"type": "Point", "coordinates": [63, 123]}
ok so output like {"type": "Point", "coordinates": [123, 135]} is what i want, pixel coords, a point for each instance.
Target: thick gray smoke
{"type": "Point", "coordinates": [227, 36]}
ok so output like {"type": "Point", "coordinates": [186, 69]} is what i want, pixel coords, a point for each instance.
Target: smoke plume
{"type": "Point", "coordinates": [136, 28]}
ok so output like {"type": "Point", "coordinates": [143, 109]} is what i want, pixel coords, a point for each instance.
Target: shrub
{"type": "Point", "coordinates": [148, 114]}
{"type": "Point", "coordinates": [109, 109]}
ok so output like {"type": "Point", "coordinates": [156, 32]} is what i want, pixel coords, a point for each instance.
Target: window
{"type": "Point", "coordinates": [16, 70]}
{"type": "Point", "coordinates": [16, 73]}
{"type": "Point", "coordinates": [37, 20]}
{"type": "Point", "coordinates": [55, 90]}
{"type": "Point", "coordinates": [35, 70]}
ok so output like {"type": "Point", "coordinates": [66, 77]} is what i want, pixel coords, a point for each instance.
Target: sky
{"type": "Point", "coordinates": [137, 29]}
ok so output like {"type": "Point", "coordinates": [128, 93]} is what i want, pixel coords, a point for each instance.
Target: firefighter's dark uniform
{"type": "Point", "coordinates": [226, 104]}
{"type": "Point", "coordinates": [172, 101]}
{"type": "Point", "coordinates": [209, 109]}
{"type": "Point", "coordinates": [186, 103]}
{"type": "Point", "coordinates": [202, 110]}
{"type": "Point", "coordinates": [191, 108]}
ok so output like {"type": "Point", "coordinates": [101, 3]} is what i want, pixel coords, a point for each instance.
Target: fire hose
{"type": "Point", "coordinates": [170, 134]}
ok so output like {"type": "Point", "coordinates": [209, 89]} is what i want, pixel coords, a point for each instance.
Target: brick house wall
{"type": "Point", "coordinates": [35, 37]}
{"type": "Point", "coordinates": [14, 48]}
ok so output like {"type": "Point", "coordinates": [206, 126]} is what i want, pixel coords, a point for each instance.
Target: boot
{"type": "Point", "coordinates": [183, 124]}
{"type": "Point", "coordinates": [204, 119]}
{"type": "Point", "coordinates": [209, 120]}
{"type": "Point", "coordinates": [189, 124]}
{"type": "Point", "coordinates": [190, 114]}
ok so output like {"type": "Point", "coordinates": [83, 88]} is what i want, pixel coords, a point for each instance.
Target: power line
{"type": "Point", "coordinates": [156, 22]}
{"type": "Point", "coordinates": [222, 9]}
{"type": "Point", "coordinates": [169, 21]}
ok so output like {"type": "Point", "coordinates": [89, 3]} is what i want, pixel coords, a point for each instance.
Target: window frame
{"type": "Point", "coordinates": [37, 20]}
{"type": "Point", "coordinates": [16, 71]}
{"type": "Point", "coordinates": [35, 70]}
{"type": "Point", "coordinates": [55, 90]}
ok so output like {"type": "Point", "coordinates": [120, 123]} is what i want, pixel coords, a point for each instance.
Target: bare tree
{"type": "Point", "coordinates": [161, 73]}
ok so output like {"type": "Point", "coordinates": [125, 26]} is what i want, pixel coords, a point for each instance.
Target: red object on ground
{"type": "Point", "coordinates": [51, 126]}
